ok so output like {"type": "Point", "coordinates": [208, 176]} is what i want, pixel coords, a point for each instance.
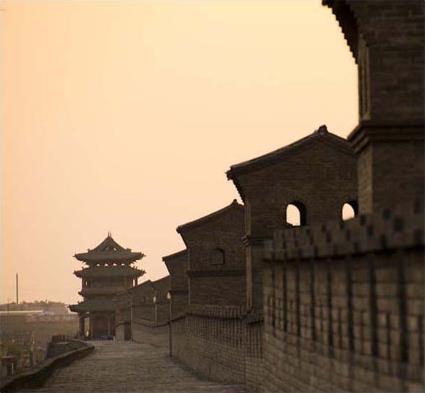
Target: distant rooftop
{"type": "Point", "coordinates": [90, 305]}
{"type": "Point", "coordinates": [109, 251]}
{"type": "Point", "coordinates": [109, 271]}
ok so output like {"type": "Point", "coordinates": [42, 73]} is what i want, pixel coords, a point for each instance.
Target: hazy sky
{"type": "Point", "coordinates": [123, 116]}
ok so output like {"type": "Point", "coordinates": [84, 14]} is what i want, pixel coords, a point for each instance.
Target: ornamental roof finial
{"type": "Point", "coordinates": [322, 129]}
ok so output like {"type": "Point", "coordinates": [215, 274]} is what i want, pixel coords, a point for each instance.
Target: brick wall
{"type": "Point", "coordinates": [177, 267]}
{"type": "Point", "coordinates": [220, 290]}
{"type": "Point", "coordinates": [216, 258]}
{"type": "Point", "coordinates": [387, 41]}
{"type": "Point", "coordinates": [384, 36]}
{"type": "Point", "coordinates": [153, 335]}
{"type": "Point", "coordinates": [221, 343]}
{"type": "Point", "coordinates": [136, 307]}
{"type": "Point", "coordinates": [344, 305]}
{"type": "Point", "coordinates": [342, 301]}
{"type": "Point", "coordinates": [317, 173]}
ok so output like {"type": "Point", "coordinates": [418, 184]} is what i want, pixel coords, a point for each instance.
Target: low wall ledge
{"type": "Point", "coordinates": [36, 377]}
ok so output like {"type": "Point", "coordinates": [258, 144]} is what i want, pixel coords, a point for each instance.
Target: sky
{"type": "Point", "coordinates": [123, 116]}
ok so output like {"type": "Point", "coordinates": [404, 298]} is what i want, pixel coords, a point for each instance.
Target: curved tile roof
{"type": "Point", "coordinates": [93, 305]}
{"type": "Point", "coordinates": [109, 271]}
{"type": "Point", "coordinates": [109, 251]}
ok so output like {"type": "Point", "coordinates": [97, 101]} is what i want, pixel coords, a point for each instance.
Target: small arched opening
{"type": "Point", "coordinates": [217, 256]}
{"type": "Point", "coordinates": [295, 214]}
{"type": "Point", "coordinates": [349, 210]}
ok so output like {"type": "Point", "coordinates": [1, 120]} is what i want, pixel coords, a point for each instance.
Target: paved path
{"type": "Point", "coordinates": [129, 367]}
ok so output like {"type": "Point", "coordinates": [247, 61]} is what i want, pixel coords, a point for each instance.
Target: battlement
{"type": "Point", "coordinates": [401, 227]}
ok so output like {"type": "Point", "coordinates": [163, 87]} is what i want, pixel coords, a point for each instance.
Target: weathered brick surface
{"type": "Point", "coordinates": [354, 307]}
{"type": "Point", "coordinates": [219, 342]}
{"type": "Point", "coordinates": [216, 264]}
{"type": "Point", "coordinates": [318, 173]}
{"type": "Point", "coordinates": [342, 302]}
{"type": "Point", "coordinates": [136, 306]}
{"type": "Point", "coordinates": [387, 41]}
{"type": "Point", "coordinates": [385, 36]}
{"type": "Point", "coordinates": [177, 267]}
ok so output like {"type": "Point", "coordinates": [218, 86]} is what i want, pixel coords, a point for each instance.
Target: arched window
{"type": "Point", "coordinates": [349, 210]}
{"type": "Point", "coordinates": [217, 256]}
{"type": "Point", "coordinates": [295, 214]}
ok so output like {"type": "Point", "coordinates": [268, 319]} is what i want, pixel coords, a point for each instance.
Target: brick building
{"type": "Point", "coordinates": [144, 305]}
{"type": "Point", "coordinates": [342, 300]}
{"type": "Point", "coordinates": [216, 265]}
{"type": "Point", "coordinates": [177, 267]}
{"type": "Point", "coordinates": [316, 175]}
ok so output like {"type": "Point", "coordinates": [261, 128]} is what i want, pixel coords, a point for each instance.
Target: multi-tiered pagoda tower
{"type": "Point", "coordinates": [108, 272]}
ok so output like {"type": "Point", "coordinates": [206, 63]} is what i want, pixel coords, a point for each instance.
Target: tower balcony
{"type": "Point", "coordinates": [101, 291]}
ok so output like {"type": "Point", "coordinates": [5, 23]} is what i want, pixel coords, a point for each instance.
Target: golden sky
{"type": "Point", "coordinates": [123, 116]}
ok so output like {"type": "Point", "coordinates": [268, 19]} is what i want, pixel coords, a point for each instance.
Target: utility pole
{"type": "Point", "coordinates": [17, 289]}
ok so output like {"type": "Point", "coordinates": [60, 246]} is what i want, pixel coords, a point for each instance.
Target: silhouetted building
{"type": "Point", "coordinates": [109, 271]}
{"type": "Point", "coordinates": [332, 304]}
{"type": "Point", "coordinates": [215, 263]}
{"type": "Point", "coordinates": [177, 266]}
{"type": "Point", "coordinates": [315, 175]}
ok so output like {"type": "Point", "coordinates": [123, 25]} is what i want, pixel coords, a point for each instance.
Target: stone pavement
{"type": "Point", "coordinates": [129, 367]}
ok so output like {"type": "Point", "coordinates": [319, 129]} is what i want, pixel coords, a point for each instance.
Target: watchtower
{"type": "Point", "coordinates": [109, 272]}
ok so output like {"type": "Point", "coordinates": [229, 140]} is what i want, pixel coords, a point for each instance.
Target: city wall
{"type": "Point", "coordinates": [330, 305]}
{"type": "Point", "coordinates": [344, 305]}
{"type": "Point", "coordinates": [219, 342]}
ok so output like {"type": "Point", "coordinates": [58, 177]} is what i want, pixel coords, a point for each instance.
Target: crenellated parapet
{"type": "Point", "coordinates": [389, 229]}
{"type": "Point", "coordinates": [349, 295]}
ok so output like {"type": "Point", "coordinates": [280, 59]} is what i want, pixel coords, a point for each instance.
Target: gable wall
{"type": "Point", "coordinates": [217, 283]}
{"type": "Point", "coordinates": [320, 177]}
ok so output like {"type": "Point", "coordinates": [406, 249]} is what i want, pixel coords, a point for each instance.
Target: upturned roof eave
{"type": "Point", "coordinates": [87, 306]}
{"type": "Point", "coordinates": [133, 273]}
{"type": "Point", "coordinates": [87, 257]}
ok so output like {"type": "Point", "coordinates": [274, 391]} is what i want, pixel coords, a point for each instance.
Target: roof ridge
{"type": "Point", "coordinates": [200, 220]}
{"type": "Point", "coordinates": [174, 254]}
{"type": "Point", "coordinates": [109, 241]}
{"type": "Point", "coordinates": [108, 250]}
{"type": "Point", "coordinates": [321, 133]}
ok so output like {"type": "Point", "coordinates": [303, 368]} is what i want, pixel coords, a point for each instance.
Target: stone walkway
{"type": "Point", "coordinates": [129, 367]}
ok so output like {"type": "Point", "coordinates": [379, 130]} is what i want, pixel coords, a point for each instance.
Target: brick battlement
{"type": "Point", "coordinates": [402, 227]}
{"type": "Point", "coordinates": [350, 295]}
